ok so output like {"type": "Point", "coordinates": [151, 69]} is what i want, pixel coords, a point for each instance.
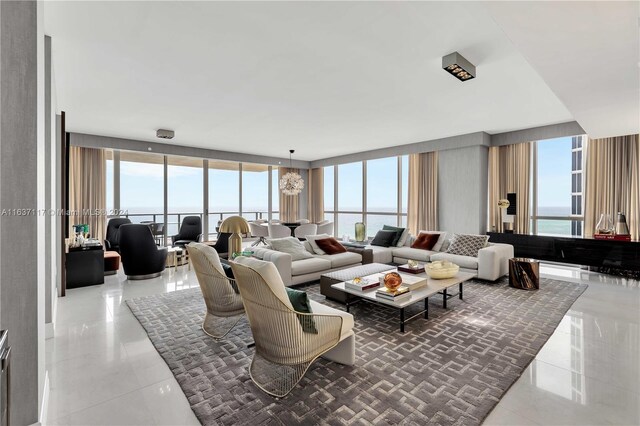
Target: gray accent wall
{"type": "Point", "coordinates": [462, 189]}
{"type": "Point", "coordinates": [18, 189]}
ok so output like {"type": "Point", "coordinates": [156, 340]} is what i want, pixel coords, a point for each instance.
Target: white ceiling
{"type": "Point", "coordinates": [325, 78]}
{"type": "Point", "coordinates": [587, 52]}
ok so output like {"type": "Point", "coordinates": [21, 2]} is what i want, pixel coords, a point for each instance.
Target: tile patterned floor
{"type": "Point", "coordinates": [104, 370]}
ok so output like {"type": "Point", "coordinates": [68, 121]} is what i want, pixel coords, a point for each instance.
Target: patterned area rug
{"type": "Point", "coordinates": [450, 369]}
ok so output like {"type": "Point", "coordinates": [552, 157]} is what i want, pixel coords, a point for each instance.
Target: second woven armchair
{"type": "Point", "coordinates": [287, 342]}
{"type": "Point", "coordinates": [221, 294]}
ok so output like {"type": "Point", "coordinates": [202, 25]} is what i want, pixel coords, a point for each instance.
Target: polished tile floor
{"type": "Point", "coordinates": [104, 370]}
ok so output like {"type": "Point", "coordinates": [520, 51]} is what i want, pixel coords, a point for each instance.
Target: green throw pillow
{"type": "Point", "coordinates": [399, 232]}
{"type": "Point", "coordinates": [300, 302]}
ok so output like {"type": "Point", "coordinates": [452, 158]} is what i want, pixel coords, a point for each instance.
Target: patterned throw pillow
{"type": "Point", "coordinates": [467, 245]}
{"type": "Point", "coordinates": [290, 245]}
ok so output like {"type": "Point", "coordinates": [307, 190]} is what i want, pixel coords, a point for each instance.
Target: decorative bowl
{"type": "Point", "coordinates": [441, 269]}
{"type": "Point", "coordinates": [392, 280]}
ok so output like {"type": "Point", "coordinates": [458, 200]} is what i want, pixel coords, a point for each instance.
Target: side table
{"type": "Point", "coordinates": [524, 273]}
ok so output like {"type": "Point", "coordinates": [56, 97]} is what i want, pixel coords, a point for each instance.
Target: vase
{"type": "Point", "coordinates": [361, 232]}
{"type": "Point", "coordinates": [605, 224]}
{"type": "Point", "coordinates": [621, 225]}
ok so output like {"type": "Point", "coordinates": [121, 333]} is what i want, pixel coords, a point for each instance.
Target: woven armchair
{"type": "Point", "coordinates": [221, 295]}
{"type": "Point", "coordinates": [288, 342]}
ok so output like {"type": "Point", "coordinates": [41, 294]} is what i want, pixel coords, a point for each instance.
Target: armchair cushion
{"type": "Point", "coordinates": [347, 318]}
{"type": "Point", "coordinates": [300, 302]}
{"type": "Point", "coordinates": [269, 274]}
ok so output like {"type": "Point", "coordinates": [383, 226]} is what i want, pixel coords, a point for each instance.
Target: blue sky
{"type": "Point", "coordinates": [554, 173]}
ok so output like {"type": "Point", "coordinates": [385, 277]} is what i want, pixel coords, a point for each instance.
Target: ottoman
{"type": "Point", "coordinates": [111, 262]}
{"type": "Point", "coordinates": [326, 280]}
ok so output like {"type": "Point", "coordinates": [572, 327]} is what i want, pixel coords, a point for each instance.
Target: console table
{"type": "Point", "coordinates": [606, 255]}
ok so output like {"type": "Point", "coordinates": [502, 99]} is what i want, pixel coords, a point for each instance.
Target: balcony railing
{"type": "Point", "coordinates": [175, 219]}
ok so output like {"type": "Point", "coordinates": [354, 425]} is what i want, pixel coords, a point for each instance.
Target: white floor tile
{"type": "Point", "coordinates": [104, 369]}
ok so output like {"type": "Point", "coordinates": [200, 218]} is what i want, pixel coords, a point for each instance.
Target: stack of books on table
{"type": "Point", "coordinates": [401, 293]}
{"type": "Point", "coordinates": [361, 284]}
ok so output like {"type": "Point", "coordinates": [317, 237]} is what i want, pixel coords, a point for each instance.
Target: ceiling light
{"type": "Point", "coordinates": [456, 65]}
{"type": "Point", "coordinates": [291, 183]}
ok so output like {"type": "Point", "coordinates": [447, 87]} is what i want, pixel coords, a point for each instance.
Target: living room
{"type": "Point", "coordinates": [320, 213]}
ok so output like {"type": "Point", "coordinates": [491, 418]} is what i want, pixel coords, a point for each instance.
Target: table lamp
{"type": "Point", "coordinates": [235, 225]}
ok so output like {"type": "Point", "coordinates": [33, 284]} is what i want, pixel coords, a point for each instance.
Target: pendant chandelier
{"type": "Point", "coordinates": [291, 183]}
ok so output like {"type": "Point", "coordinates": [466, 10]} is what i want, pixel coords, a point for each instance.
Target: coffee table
{"type": "Point", "coordinates": [422, 294]}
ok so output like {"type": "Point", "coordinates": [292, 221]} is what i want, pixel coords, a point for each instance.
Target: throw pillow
{"type": "Point", "coordinates": [290, 245]}
{"type": "Point", "coordinates": [229, 273]}
{"type": "Point", "coordinates": [330, 246]}
{"type": "Point", "coordinates": [383, 238]}
{"type": "Point", "coordinates": [401, 235]}
{"type": "Point", "coordinates": [467, 245]}
{"type": "Point", "coordinates": [441, 239]}
{"type": "Point", "coordinates": [311, 239]}
{"type": "Point", "coordinates": [300, 302]}
{"type": "Point", "coordinates": [425, 241]}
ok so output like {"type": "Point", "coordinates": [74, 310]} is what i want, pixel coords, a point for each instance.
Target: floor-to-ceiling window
{"type": "Point", "coordinates": [275, 193]}
{"type": "Point", "coordinates": [349, 208]}
{"type": "Point", "coordinates": [224, 191]}
{"type": "Point", "coordinates": [404, 178]}
{"type": "Point", "coordinates": [382, 194]}
{"type": "Point", "coordinates": [184, 191]}
{"type": "Point", "coordinates": [329, 195]}
{"type": "Point", "coordinates": [255, 191]}
{"type": "Point", "coordinates": [142, 186]}
{"type": "Point", "coordinates": [374, 191]}
{"type": "Point", "coordinates": [557, 178]}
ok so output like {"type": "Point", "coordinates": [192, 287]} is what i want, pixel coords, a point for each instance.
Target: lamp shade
{"type": "Point", "coordinates": [235, 225]}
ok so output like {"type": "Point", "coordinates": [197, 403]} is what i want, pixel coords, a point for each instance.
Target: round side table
{"type": "Point", "coordinates": [524, 273]}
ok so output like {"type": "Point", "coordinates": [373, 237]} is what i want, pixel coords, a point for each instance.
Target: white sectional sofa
{"type": "Point", "coordinates": [305, 270]}
{"type": "Point", "coordinates": [492, 261]}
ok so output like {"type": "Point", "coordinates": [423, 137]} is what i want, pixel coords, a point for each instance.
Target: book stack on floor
{"type": "Point", "coordinates": [361, 284]}
{"type": "Point", "coordinates": [401, 293]}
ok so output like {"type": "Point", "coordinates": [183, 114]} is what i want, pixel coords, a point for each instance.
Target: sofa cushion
{"type": "Point", "coordinates": [347, 318]}
{"type": "Point", "coordinates": [384, 238]}
{"type": "Point", "coordinates": [308, 266]}
{"type": "Point", "coordinates": [342, 259]}
{"type": "Point", "coordinates": [381, 254]}
{"type": "Point", "coordinates": [311, 239]}
{"type": "Point", "coordinates": [466, 262]}
{"type": "Point", "coordinates": [425, 241]}
{"type": "Point", "coordinates": [400, 232]}
{"type": "Point", "coordinates": [330, 245]}
{"type": "Point", "coordinates": [290, 245]}
{"type": "Point", "coordinates": [442, 237]}
{"type": "Point", "coordinates": [467, 245]}
{"type": "Point", "coordinates": [413, 253]}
